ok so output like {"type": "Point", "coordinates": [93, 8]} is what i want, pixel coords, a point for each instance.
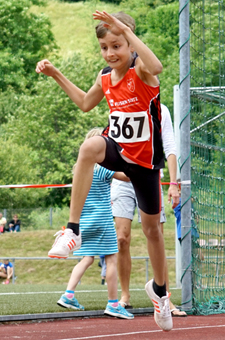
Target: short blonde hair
{"type": "Point", "coordinates": [97, 131]}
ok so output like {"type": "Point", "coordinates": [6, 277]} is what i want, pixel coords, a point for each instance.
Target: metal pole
{"type": "Point", "coordinates": [185, 160]}
{"type": "Point", "coordinates": [13, 278]}
{"type": "Point", "coordinates": [176, 119]}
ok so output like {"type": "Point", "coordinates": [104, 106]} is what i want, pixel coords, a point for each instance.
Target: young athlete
{"type": "Point", "coordinates": [131, 143]}
{"type": "Point", "coordinates": [98, 238]}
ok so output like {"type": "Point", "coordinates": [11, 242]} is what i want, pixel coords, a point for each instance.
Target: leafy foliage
{"type": "Point", "coordinates": [159, 29]}
{"type": "Point", "coordinates": [53, 126]}
{"type": "Point", "coordinates": [24, 39]}
{"type": "Point", "coordinates": [42, 120]}
{"type": "Point", "coordinates": [18, 165]}
{"type": "Point", "coordinates": [36, 114]}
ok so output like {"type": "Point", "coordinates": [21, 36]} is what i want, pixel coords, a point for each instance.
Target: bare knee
{"type": "Point", "coordinates": [123, 226]}
{"type": "Point", "coordinates": [86, 151]}
{"type": "Point", "coordinates": [111, 260]}
{"type": "Point", "coordinates": [88, 260]}
{"type": "Point", "coordinates": [123, 242]}
{"type": "Point", "coordinates": [152, 232]}
{"type": "Point", "coordinates": [92, 150]}
{"type": "Point", "coordinates": [91, 259]}
{"type": "Point", "coordinates": [151, 226]}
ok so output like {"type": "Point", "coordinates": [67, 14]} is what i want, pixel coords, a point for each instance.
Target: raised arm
{"type": "Point", "coordinates": [85, 101]}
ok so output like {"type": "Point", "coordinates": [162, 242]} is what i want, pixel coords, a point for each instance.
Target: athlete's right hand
{"type": "Point", "coordinates": [112, 23]}
{"type": "Point", "coordinates": [46, 67]}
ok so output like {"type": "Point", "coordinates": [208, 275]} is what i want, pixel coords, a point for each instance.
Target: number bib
{"type": "Point", "coordinates": [129, 127]}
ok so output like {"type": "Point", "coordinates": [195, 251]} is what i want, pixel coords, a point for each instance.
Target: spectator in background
{"type": "Point", "coordinates": [6, 271]}
{"type": "Point", "coordinates": [14, 224]}
{"type": "Point", "coordinates": [3, 223]}
{"type": "Point", "coordinates": [98, 238]}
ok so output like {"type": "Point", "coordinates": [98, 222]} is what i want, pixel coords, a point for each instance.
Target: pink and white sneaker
{"type": "Point", "coordinates": [65, 243]}
{"type": "Point", "coordinates": [162, 313]}
{"type": "Point", "coordinates": [6, 282]}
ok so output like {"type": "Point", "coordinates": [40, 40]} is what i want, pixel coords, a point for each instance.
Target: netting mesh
{"type": "Point", "coordinates": [208, 155]}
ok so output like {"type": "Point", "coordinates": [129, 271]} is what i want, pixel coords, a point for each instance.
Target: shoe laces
{"type": "Point", "coordinates": [67, 237]}
{"type": "Point", "coordinates": [60, 232]}
{"type": "Point", "coordinates": [122, 309]}
{"type": "Point", "coordinates": [162, 305]}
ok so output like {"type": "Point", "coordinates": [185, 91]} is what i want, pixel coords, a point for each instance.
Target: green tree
{"type": "Point", "coordinates": [159, 29]}
{"type": "Point", "coordinates": [44, 118]}
{"type": "Point", "coordinates": [18, 166]}
{"type": "Point", "coordinates": [24, 39]}
{"type": "Point", "coordinates": [53, 126]}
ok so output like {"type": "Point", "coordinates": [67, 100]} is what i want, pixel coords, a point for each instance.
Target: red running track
{"type": "Point", "coordinates": [106, 328]}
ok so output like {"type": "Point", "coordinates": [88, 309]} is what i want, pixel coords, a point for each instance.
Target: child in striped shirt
{"type": "Point", "coordinates": [98, 238]}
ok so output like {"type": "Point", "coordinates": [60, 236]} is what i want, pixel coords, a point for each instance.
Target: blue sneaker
{"type": "Point", "coordinates": [69, 303]}
{"type": "Point", "coordinates": [118, 311]}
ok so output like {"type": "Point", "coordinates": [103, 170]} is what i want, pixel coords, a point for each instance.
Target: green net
{"type": "Point", "coordinates": [208, 155]}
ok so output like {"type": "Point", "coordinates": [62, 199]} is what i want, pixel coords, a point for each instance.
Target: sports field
{"type": "Point", "coordinates": [33, 299]}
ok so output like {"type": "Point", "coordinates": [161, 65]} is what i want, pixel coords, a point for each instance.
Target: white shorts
{"type": "Point", "coordinates": [124, 201]}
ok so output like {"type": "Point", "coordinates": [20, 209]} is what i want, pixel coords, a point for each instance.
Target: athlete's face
{"type": "Point", "coordinates": [115, 50]}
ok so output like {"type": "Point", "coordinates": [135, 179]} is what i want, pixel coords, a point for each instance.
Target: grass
{"type": "Point", "coordinates": [74, 30]}
{"type": "Point", "coordinates": [51, 275]}
{"type": "Point", "coordinates": [37, 243]}
{"type": "Point", "coordinates": [34, 299]}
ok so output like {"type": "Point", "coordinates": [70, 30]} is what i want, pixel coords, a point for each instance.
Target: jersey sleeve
{"type": "Point", "coordinates": [104, 174]}
{"type": "Point", "coordinates": [168, 140]}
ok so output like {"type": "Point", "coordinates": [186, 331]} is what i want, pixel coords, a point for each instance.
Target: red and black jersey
{"type": "Point", "coordinates": [135, 118]}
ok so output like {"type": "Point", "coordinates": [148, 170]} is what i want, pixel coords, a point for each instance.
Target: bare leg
{"type": "Point", "coordinates": [3, 275]}
{"type": "Point", "coordinates": [78, 271]}
{"type": "Point", "coordinates": [166, 266]}
{"type": "Point", "coordinates": [155, 245]}
{"type": "Point", "coordinates": [176, 311]}
{"type": "Point", "coordinates": [9, 273]}
{"type": "Point", "coordinates": [123, 227]}
{"type": "Point", "coordinates": [111, 276]}
{"type": "Point", "coordinates": [92, 151]}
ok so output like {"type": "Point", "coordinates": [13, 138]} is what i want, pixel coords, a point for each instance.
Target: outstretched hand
{"type": "Point", "coordinates": [113, 24]}
{"type": "Point", "coordinates": [46, 67]}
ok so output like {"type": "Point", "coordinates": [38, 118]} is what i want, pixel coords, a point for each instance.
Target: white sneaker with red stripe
{"type": "Point", "coordinates": [162, 314]}
{"type": "Point", "coordinates": [65, 243]}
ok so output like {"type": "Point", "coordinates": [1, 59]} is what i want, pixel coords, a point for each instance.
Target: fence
{"type": "Point", "coordinates": [14, 259]}
{"type": "Point", "coordinates": [207, 155]}
{"type": "Point", "coordinates": [38, 218]}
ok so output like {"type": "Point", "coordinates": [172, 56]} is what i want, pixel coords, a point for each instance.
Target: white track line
{"type": "Point", "coordinates": [61, 292]}
{"type": "Point", "coordinates": [140, 332]}
{"type": "Point", "coordinates": [77, 291]}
